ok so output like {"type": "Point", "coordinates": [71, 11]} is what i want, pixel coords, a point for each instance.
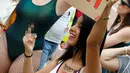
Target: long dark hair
{"type": "Point", "coordinates": [80, 47]}
{"type": "Point", "coordinates": [125, 23]}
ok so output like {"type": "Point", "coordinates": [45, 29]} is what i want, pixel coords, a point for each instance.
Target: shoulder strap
{"type": "Point", "coordinates": [80, 70]}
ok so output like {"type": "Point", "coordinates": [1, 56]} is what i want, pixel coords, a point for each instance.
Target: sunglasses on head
{"type": "Point", "coordinates": [124, 3]}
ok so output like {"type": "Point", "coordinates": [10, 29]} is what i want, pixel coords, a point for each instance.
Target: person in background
{"type": "Point", "coordinates": [41, 13]}
{"type": "Point", "coordinates": [60, 50]}
{"type": "Point", "coordinates": [117, 38]}
{"type": "Point", "coordinates": [55, 34]}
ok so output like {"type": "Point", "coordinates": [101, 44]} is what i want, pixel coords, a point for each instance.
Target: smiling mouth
{"type": "Point", "coordinates": [71, 35]}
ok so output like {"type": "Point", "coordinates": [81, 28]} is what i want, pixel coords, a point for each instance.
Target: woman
{"type": "Point", "coordinates": [41, 13]}
{"type": "Point", "coordinates": [77, 58]}
{"type": "Point", "coordinates": [52, 38]}
{"type": "Point", "coordinates": [118, 38]}
{"type": "Point", "coordinates": [116, 59]}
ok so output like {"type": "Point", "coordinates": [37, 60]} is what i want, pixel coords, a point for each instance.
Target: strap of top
{"type": "Point", "coordinates": [80, 70]}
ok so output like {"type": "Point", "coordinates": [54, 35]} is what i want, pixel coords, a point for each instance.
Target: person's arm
{"type": "Point", "coordinates": [116, 38]}
{"type": "Point", "coordinates": [109, 58]}
{"type": "Point", "coordinates": [29, 41]}
{"type": "Point", "coordinates": [61, 7]}
{"type": "Point", "coordinates": [94, 41]}
{"type": "Point", "coordinates": [28, 66]}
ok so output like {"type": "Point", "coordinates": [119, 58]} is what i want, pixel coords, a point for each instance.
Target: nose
{"type": "Point", "coordinates": [73, 28]}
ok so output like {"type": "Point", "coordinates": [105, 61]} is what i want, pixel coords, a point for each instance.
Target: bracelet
{"type": "Point", "coordinates": [28, 56]}
{"type": "Point", "coordinates": [105, 18]}
{"type": "Point", "coordinates": [126, 49]}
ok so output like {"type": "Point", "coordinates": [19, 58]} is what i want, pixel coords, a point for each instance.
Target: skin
{"type": "Point", "coordinates": [74, 32]}
{"type": "Point", "coordinates": [121, 35]}
{"type": "Point", "coordinates": [110, 61]}
{"type": "Point", "coordinates": [61, 7]}
{"type": "Point", "coordinates": [92, 50]}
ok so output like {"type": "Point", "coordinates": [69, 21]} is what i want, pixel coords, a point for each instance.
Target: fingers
{"type": "Point", "coordinates": [34, 36]}
{"type": "Point", "coordinates": [28, 32]}
{"type": "Point", "coordinates": [29, 39]}
{"type": "Point", "coordinates": [111, 2]}
{"type": "Point", "coordinates": [31, 26]}
{"type": "Point", "coordinates": [30, 29]}
{"type": "Point", "coordinates": [29, 36]}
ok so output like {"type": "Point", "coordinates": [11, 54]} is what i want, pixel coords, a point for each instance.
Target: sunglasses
{"type": "Point", "coordinates": [124, 3]}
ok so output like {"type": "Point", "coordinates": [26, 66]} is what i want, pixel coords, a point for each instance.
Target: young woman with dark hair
{"type": "Point", "coordinates": [82, 55]}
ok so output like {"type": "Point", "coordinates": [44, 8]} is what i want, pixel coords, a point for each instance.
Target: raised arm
{"type": "Point", "coordinates": [94, 41]}
{"type": "Point", "coordinates": [109, 57]}
{"type": "Point", "coordinates": [29, 41]}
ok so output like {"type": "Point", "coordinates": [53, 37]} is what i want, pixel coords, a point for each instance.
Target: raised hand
{"type": "Point", "coordinates": [111, 2]}
{"type": "Point", "coordinates": [128, 50]}
{"type": "Point", "coordinates": [29, 41]}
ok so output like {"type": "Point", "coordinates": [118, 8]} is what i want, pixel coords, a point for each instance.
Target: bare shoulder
{"type": "Point", "coordinates": [125, 30]}
{"type": "Point", "coordinates": [49, 67]}
{"type": "Point", "coordinates": [125, 33]}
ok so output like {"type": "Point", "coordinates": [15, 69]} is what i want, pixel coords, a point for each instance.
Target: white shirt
{"type": "Point", "coordinates": [58, 30]}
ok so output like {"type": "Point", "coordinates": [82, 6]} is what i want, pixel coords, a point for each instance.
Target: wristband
{"type": "Point", "coordinates": [105, 18]}
{"type": "Point", "coordinates": [28, 56]}
{"type": "Point", "coordinates": [126, 50]}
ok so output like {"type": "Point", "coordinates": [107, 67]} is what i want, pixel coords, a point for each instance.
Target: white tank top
{"type": "Point", "coordinates": [56, 69]}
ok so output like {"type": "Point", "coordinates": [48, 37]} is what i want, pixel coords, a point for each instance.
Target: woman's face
{"type": "Point", "coordinates": [74, 32]}
{"type": "Point", "coordinates": [124, 7]}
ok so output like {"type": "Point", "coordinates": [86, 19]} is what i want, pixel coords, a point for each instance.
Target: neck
{"type": "Point", "coordinates": [77, 59]}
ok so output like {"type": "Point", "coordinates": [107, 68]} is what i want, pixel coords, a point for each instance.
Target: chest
{"type": "Point", "coordinates": [40, 2]}
{"type": "Point", "coordinates": [27, 9]}
{"type": "Point", "coordinates": [69, 68]}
